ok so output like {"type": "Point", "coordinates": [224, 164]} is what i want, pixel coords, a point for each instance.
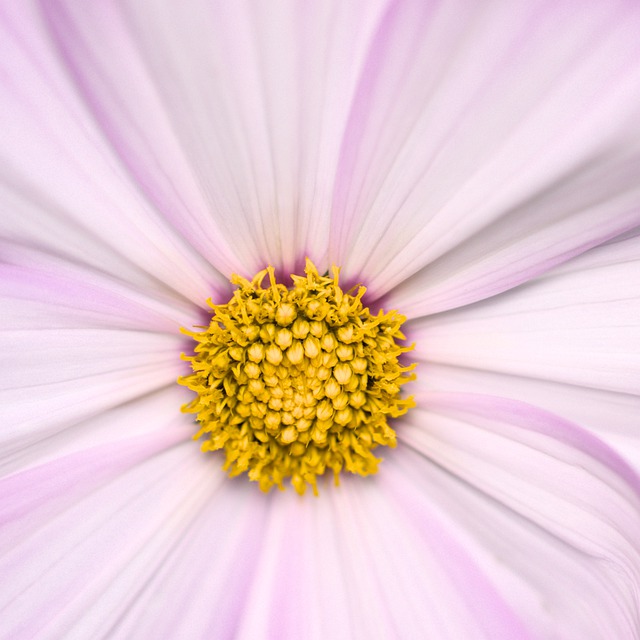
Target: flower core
{"type": "Point", "coordinates": [292, 382]}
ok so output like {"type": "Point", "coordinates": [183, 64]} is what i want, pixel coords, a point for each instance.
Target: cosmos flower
{"type": "Point", "coordinates": [473, 164]}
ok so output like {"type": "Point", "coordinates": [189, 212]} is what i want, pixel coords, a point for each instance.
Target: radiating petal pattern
{"type": "Point", "coordinates": [550, 512]}
{"type": "Point", "coordinates": [564, 341]}
{"type": "Point", "coordinates": [613, 416]}
{"type": "Point", "coordinates": [575, 326]}
{"type": "Point", "coordinates": [66, 564]}
{"type": "Point", "coordinates": [75, 343]}
{"type": "Point", "coordinates": [64, 189]}
{"type": "Point", "coordinates": [264, 180]}
{"type": "Point", "coordinates": [36, 286]}
{"type": "Point", "coordinates": [475, 165]}
{"type": "Point", "coordinates": [472, 162]}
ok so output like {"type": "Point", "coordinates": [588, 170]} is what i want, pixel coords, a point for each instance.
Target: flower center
{"type": "Point", "coordinates": [294, 382]}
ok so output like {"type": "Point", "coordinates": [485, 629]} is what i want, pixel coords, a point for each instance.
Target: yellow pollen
{"type": "Point", "coordinates": [295, 382]}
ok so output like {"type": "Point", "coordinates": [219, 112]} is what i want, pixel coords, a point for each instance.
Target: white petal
{"type": "Point", "coordinates": [52, 379]}
{"type": "Point", "coordinates": [230, 116]}
{"type": "Point", "coordinates": [195, 584]}
{"type": "Point", "coordinates": [73, 464]}
{"type": "Point", "coordinates": [549, 512]}
{"type": "Point", "coordinates": [612, 416]}
{"type": "Point", "coordinates": [487, 144]}
{"type": "Point", "coordinates": [409, 567]}
{"type": "Point", "coordinates": [351, 565]}
{"type": "Point", "coordinates": [139, 417]}
{"type": "Point", "coordinates": [86, 555]}
{"type": "Point", "coordinates": [63, 187]}
{"type": "Point", "coordinates": [43, 292]}
{"type": "Point", "coordinates": [579, 326]}
{"type": "Point", "coordinates": [564, 342]}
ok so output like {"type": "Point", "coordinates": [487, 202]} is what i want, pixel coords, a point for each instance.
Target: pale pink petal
{"type": "Point", "coordinates": [102, 548]}
{"type": "Point", "coordinates": [578, 326]}
{"type": "Point", "coordinates": [42, 291]}
{"type": "Point", "coordinates": [63, 187]}
{"type": "Point", "coordinates": [75, 343]}
{"type": "Point", "coordinates": [611, 415]}
{"type": "Point", "coordinates": [488, 143]}
{"type": "Point", "coordinates": [426, 582]}
{"type": "Point", "coordinates": [147, 414]}
{"type": "Point", "coordinates": [372, 573]}
{"type": "Point", "coordinates": [283, 599]}
{"type": "Point", "coordinates": [229, 115]}
{"type": "Point", "coordinates": [548, 511]}
{"type": "Point", "coordinates": [53, 378]}
{"type": "Point", "coordinates": [564, 342]}
{"type": "Point", "coordinates": [45, 490]}
{"type": "Point", "coordinates": [194, 584]}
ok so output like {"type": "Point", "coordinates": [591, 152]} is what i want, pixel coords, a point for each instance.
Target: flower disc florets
{"type": "Point", "coordinates": [292, 382]}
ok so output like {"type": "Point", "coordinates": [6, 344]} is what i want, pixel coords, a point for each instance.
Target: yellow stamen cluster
{"type": "Point", "coordinates": [292, 382]}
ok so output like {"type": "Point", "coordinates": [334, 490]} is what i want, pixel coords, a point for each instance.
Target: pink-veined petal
{"type": "Point", "coordinates": [106, 543]}
{"type": "Point", "coordinates": [579, 325]}
{"type": "Point", "coordinates": [63, 187]}
{"type": "Point", "coordinates": [610, 415]}
{"type": "Point", "coordinates": [229, 115]}
{"type": "Point", "coordinates": [53, 378]}
{"type": "Point", "coordinates": [488, 143]}
{"type": "Point", "coordinates": [353, 565]}
{"type": "Point", "coordinates": [564, 342]}
{"type": "Point", "coordinates": [41, 291]}
{"type": "Point", "coordinates": [549, 511]}
{"type": "Point", "coordinates": [141, 416]}
{"type": "Point", "coordinates": [193, 583]}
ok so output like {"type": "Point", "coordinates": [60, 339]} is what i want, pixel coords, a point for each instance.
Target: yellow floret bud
{"type": "Point", "coordinates": [252, 370]}
{"type": "Point", "coordinates": [255, 352]}
{"type": "Point", "coordinates": [311, 347]}
{"type": "Point", "coordinates": [284, 338]}
{"type": "Point", "coordinates": [288, 435]}
{"type": "Point", "coordinates": [332, 388]}
{"type": "Point", "coordinates": [342, 372]}
{"type": "Point", "coordinates": [344, 352]}
{"type": "Point", "coordinates": [273, 354]}
{"type": "Point", "coordinates": [328, 342]}
{"type": "Point", "coordinates": [300, 329]}
{"type": "Point", "coordinates": [295, 353]}
{"type": "Point", "coordinates": [286, 314]}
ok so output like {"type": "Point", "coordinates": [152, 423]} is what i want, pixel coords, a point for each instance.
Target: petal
{"type": "Point", "coordinates": [562, 342]}
{"type": "Point", "coordinates": [117, 520]}
{"type": "Point", "coordinates": [195, 584]}
{"type": "Point", "coordinates": [53, 378]}
{"type": "Point", "coordinates": [424, 581]}
{"type": "Point", "coordinates": [487, 144]}
{"type": "Point", "coordinates": [40, 291]}
{"type": "Point", "coordinates": [229, 116]}
{"type": "Point", "coordinates": [575, 326]}
{"type": "Point", "coordinates": [45, 489]}
{"type": "Point", "coordinates": [117, 535]}
{"type": "Point", "coordinates": [549, 512]}
{"type": "Point", "coordinates": [352, 565]}
{"type": "Point", "coordinates": [63, 188]}
{"type": "Point", "coordinates": [610, 415]}
{"type": "Point", "coordinates": [75, 343]}
{"type": "Point", "coordinates": [139, 417]}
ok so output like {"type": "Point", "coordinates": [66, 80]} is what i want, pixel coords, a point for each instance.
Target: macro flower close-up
{"type": "Point", "coordinates": [320, 319]}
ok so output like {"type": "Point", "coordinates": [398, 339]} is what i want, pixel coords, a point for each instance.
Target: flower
{"type": "Point", "coordinates": [474, 165]}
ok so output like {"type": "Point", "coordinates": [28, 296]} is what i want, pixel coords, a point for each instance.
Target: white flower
{"type": "Point", "coordinates": [474, 164]}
